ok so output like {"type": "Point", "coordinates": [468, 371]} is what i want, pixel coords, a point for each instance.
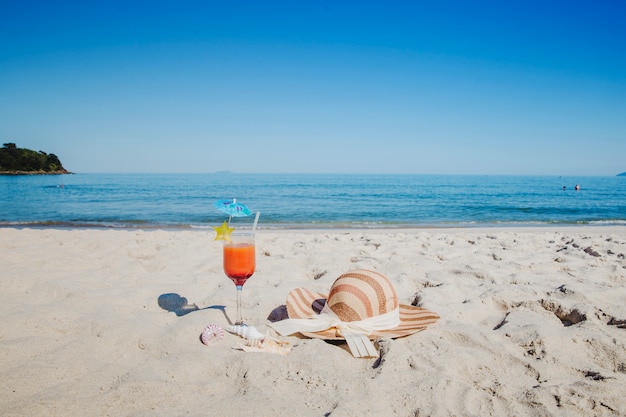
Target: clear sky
{"type": "Point", "coordinates": [425, 87]}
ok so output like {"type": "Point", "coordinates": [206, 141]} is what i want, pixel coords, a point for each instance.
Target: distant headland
{"type": "Point", "coordinates": [20, 161]}
{"type": "Point", "coordinates": [623, 174]}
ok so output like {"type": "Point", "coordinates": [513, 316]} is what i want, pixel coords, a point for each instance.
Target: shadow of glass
{"type": "Point", "coordinates": [174, 303]}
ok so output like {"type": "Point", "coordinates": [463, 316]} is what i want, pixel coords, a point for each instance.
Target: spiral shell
{"type": "Point", "coordinates": [248, 332]}
{"type": "Point", "coordinates": [212, 334]}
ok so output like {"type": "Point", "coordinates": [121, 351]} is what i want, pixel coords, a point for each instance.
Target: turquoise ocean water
{"type": "Point", "coordinates": [310, 201]}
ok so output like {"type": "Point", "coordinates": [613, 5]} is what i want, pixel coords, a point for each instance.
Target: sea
{"type": "Point", "coordinates": [310, 201]}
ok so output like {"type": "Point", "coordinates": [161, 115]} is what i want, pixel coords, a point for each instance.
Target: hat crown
{"type": "Point", "coordinates": [361, 294]}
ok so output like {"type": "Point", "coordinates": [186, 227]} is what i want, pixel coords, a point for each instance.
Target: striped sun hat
{"type": "Point", "coordinates": [360, 301]}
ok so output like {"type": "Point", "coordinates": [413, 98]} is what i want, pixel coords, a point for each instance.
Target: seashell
{"type": "Point", "coordinates": [267, 345]}
{"type": "Point", "coordinates": [212, 334]}
{"type": "Point", "coordinates": [249, 332]}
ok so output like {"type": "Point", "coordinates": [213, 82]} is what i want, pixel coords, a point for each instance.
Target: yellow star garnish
{"type": "Point", "coordinates": [223, 232]}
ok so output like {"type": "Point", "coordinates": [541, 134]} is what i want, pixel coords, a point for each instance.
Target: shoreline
{"type": "Point", "coordinates": [9, 173]}
{"type": "Point", "coordinates": [307, 229]}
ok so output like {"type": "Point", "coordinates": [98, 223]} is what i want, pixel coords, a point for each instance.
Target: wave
{"type": "Point", "coordinates": [306, 226]}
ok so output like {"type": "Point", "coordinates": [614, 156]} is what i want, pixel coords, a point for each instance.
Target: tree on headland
{"type": "Point", "coordinates": [14, 160]}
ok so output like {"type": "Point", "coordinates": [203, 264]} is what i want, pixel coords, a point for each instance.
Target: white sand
{"type": "Point", "coordinates": [531, 324]}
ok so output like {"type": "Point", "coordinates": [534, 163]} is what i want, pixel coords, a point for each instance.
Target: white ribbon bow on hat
{"type": "Point", "coordinates": [355, 332]}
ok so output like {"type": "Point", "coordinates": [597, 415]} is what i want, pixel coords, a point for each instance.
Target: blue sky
{"type": "Point", "coordinates": [522, 88]}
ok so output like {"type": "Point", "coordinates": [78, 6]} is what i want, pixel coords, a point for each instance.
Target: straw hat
{"type": "Point", "coordinates": [360, 306]}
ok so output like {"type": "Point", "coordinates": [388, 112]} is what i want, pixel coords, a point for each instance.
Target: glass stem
{"type": "Point", "coordinates": [239, 320]}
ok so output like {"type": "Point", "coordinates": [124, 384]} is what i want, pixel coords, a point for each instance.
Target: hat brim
{"type": "Point", "coordinates": [303, 303]}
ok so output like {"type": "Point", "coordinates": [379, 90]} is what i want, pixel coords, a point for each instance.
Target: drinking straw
{"type": "Point", "coordinates": [256, 220]}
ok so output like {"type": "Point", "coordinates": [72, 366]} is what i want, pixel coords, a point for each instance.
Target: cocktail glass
{"type": "Point", "coordinates": [239, 263]}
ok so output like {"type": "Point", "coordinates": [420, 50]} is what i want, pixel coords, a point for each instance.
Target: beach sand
{"type": "Point", "coordinates": [107, 323]}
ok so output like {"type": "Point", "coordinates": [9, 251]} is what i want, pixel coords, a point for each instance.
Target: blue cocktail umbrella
{"type": "Point", "coordinates": [232, 208]}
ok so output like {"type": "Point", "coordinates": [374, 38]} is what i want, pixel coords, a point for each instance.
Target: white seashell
{"type": "Point", "coordinates": [267, 345]}
{"type": "Point", "coordinates": [249, 332]}
{"type": "Point", "coordinates": [211, 334]}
